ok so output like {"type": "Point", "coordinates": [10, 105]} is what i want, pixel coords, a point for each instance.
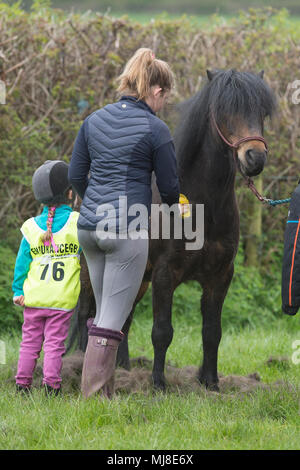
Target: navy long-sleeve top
{"type": "Point", "coordinates": [115, 152]}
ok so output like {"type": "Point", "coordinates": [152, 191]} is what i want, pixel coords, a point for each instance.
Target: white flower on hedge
{"type": "Point", "coordinates": [296, 94]}
{"type": "Point", "coordinates": [2, 92]}
{"type": "Point", "coordinates": [2, 353]}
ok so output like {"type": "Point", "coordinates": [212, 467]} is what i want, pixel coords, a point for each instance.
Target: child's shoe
{"type": "Point", "coordinates": [23, 389]}
{"type": "Point", "coordinates": [51, 391]}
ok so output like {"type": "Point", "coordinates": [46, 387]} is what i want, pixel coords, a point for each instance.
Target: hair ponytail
{"type": "Point", "coordinates": [47, 237]}
{"type": "Point", "coordinates": [142, 72]}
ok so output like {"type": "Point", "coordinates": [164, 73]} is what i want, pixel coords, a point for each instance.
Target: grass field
{"type": "Point", "coordinates": [261, 419]}
{"type": "Point", "coordinates": [205, 21]}
{"type": "Point", "coordinates": [257, 339]}
{"type": "Point", "coordinates": [144, 18]}
{"type": "Point", "coordinates": [263, 416]}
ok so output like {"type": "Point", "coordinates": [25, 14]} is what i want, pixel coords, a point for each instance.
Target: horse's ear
{"type": "Point", "coordinates": [210, 74]}
{"type": "Point", "coordinates": [261, 74]}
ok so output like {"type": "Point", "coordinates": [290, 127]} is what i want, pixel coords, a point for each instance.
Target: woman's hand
{"type": "Point", "coordinates": [184, 206]}
{"type": "Point", "coordinates": [183, 209]}
{"type": "Point", "coordinates": [19, 300]}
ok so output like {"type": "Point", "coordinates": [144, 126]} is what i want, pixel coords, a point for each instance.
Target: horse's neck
{"type": "Point", "coordinates": [209, 176]}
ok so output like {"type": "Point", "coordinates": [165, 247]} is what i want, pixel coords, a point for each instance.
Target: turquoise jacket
{"type": "Point", "coordinates": [24, 257]}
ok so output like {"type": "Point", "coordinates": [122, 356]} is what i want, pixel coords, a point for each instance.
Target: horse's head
{"type": "Point", "coordinates": [239, 104]}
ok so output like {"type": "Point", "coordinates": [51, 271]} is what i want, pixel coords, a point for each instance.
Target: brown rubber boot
{"type": "Point", "coordinates": [100, 361]}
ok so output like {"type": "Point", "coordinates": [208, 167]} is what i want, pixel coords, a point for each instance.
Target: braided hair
{"type": "Point", "coordinates": [47, 237]}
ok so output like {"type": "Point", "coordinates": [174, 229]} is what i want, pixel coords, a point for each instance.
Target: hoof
{"type": "Point", "coordinates": [212, 386]}
{"type": "Point", "coordinates": [123, 364]}
{"type": "Point", "coordinates": [159, 384]}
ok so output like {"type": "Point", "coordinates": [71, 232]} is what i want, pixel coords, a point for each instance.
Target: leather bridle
{"type": "Point", "coordinates": [235, 147]}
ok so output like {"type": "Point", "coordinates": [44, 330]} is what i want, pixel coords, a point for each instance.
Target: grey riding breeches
{"type": "Point", "coordinates": [116, 268]}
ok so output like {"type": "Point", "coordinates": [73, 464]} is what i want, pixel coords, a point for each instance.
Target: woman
{"type": "Point", "coordinates": [119, 146]}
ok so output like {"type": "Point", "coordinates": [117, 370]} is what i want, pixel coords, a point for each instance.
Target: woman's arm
{"type": "Point", "coordinates": [164, 163]}
{"type": "Point", "coordinates": [80, 162]}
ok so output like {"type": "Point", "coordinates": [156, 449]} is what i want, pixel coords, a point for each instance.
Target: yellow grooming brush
{"type": "Point", "coordinates": [184, 202]}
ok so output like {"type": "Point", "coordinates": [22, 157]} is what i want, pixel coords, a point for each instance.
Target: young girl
{"type": "Point", "coordinates": [46, 279]}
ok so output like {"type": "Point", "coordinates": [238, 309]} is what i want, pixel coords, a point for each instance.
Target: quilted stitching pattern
{"type": "Point", "coordinates": [114, 132]}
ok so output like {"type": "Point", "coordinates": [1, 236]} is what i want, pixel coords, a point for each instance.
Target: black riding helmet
{"type": "Point", "coordinates": [50, 182]}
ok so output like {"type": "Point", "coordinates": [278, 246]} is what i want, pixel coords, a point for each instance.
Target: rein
{"type": "Point", "coordinates": [249, 182]}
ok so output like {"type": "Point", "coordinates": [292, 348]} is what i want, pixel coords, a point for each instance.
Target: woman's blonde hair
{"type": "Point", "coordinates": [142, 72]}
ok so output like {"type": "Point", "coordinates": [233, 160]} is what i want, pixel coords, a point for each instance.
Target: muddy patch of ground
{"type": "Point", "coordinates": [138, 379]}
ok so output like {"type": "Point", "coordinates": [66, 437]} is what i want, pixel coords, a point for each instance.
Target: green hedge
{"type": "Point", "coordinates": [10, 315]}
{"type": "Point", "coordinates": [53, 64]}
{"type": "Point", "coordinates": [172, 6]}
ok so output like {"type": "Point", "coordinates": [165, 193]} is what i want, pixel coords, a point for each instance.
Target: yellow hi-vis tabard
{"type": "Point", "coordinates": [53, 278]}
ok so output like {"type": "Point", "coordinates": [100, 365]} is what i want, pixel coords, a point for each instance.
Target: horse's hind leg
{"type": "Point", "coordinates": [123, 351]}
{"type": "Point", "coordinates": [162, 331]}
{"type": "Point", "coordinates": [87, 309]}
{"type": "Point", "coordinates": [211, 306]}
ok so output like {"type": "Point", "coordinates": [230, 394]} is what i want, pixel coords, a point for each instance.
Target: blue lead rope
{"type": "Point", "coordinates": [273, 202]}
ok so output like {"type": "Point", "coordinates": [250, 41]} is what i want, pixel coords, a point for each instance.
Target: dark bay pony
{"type": "Point", "coordinates": [230, 109]}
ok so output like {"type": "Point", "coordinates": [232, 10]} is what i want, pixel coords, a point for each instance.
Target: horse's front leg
{"type": "Point", "coordinates": [212, 301]}
{"type": "Point", "coordinates": [162, 331]}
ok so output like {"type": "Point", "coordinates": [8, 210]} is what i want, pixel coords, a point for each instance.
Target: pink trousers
{"type": "Point", "coordinates": [46, 327]}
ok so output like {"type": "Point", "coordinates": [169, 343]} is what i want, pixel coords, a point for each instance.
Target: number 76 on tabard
{"type": "Point", "coordinates": [58, 273]}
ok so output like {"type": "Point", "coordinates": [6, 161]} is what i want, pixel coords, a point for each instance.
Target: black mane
{"type": "Point", "coordinates": [230, 94]}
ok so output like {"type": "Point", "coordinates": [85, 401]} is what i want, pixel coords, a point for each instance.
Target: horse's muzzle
{"type": "Point", "coordinates": [255, 162]}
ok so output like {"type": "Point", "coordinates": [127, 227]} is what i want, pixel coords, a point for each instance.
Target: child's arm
{"type": "Point", "coordinates": [22, 266]}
